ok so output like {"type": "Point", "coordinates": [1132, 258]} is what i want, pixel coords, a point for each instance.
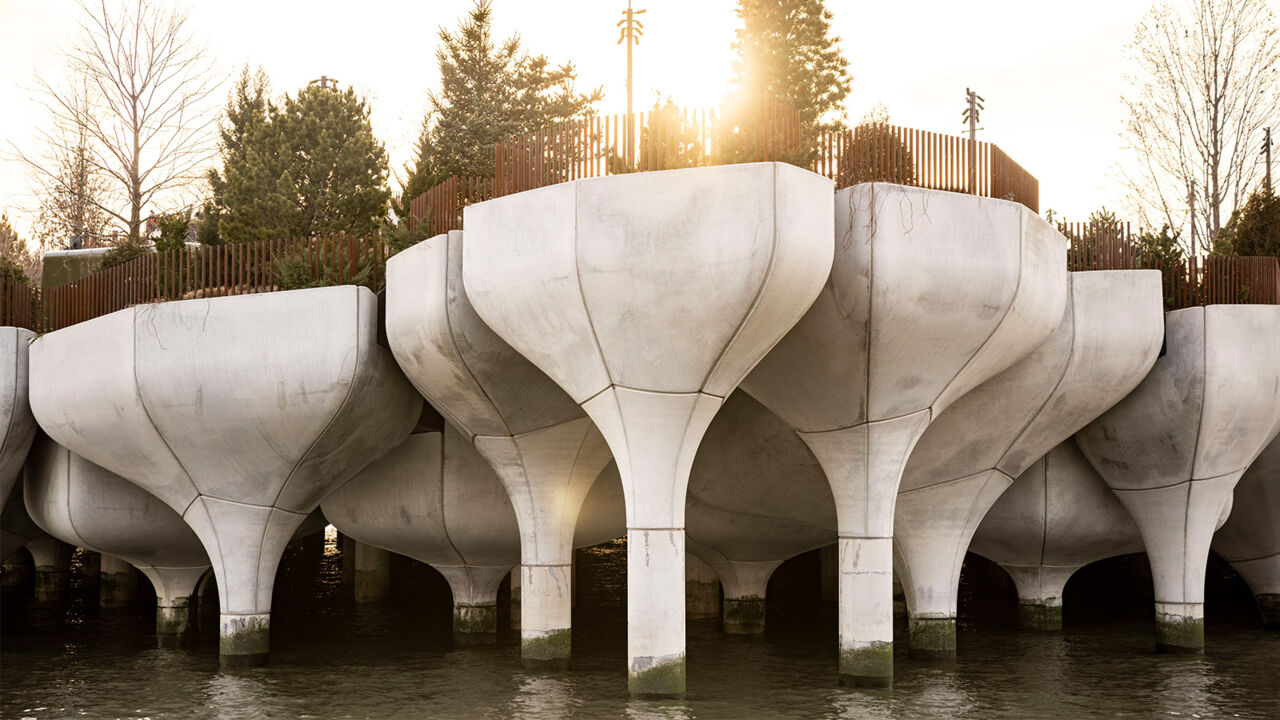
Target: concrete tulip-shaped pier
{"type": "Point", "coordinates": [931, 293]}
{"type": "Point", "coordinates": [87, 506]}
{"type": "Point", "coordinates": [240, 413]}
{"type": "Point", "coordinates": [1107, 341]}
{"type": "Point", "coordinates": [437, 500]}
{"type": "Point", "coordinates": [1056, 517]}
{"type": "Point", "coordinates": [545, 449]}
{"type": "Point", "coordinates": [1174, 449]}
{"type": "Point", "coordinates": [17, 425]}
{"type": "Point", "coordinates": [647, 297]}
{"type": "Point", "coordinates": [1250, 539]}
{"type": "Point", "coordinates": [756, 498]}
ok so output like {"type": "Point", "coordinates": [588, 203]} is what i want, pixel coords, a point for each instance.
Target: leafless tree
{"type": "Point", "coordinates": [1205, 84]}
{"type": "Point", "coordinates": [72, 194]}
{"type": "Point", "coordinates": [148, 114]}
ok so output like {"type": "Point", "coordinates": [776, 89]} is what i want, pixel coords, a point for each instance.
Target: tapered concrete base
{"type": "Point", "coordinates": [546, 650]}
{"type": "Point", "coordinates": [475, 624]}
{"type": "Point", "coordinates": [657, 677]}
{"type": "Point", "coordinates": [173, 623]}
{"type": "Point", "coordinates": [50, 586]}
{"type": "Point", "coordinates": [701, 590]}
{"type": "Point", "coordinates": [244, 640]}
{"type": "Point", "coordinates": [1269, 606]}
{"type": "Point", "coordinates": [932, 639]}
{"type": "Point", "coordinates": [1039, 617]}
{"type": "Point", "coordinates": [1180, 627]}
{"type": "Point", "coordinates": [515, 600]}
{"type": "Point", "coordinates": [117, 589]}
{"type": "Point", "coordinates": [372, 574]}
{"type": "Point", "coordinates": [744, 616]}
{"type": "Point", "coordinates": [869, 666]}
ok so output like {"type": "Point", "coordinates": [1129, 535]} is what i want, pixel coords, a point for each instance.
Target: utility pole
{"type": "Point", "coordinates": [325, 82]}
{"type": "Point", "coordinates": [1191, 201]}
{"type": "Point", "coordinates": [973, 108]}
{"type": "Point", "coordinates": [632, 29]}
{"type": "Point", "coordinates": [1266, 154]}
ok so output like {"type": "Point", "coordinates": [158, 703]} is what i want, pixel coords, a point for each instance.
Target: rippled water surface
{"type": "Point", "coordinates": [332, 659]}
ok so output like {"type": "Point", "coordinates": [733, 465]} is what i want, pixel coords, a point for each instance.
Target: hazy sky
{"type": "Point", "coordinates": [1051, 72]}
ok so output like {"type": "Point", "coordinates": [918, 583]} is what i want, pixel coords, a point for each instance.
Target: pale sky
{"type": "Point", "coordinates": [1051, 72]}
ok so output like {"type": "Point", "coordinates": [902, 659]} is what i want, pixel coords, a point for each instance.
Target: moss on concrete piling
{"type": "Point", "coordinates": [932, 639]}
{"type": "Point", "coordinates": [657, 680]}
{"type": "Point", "coordinates": [475, 624]}
{"type": "Point", "coordinates": [548, 651]}
{"type": "Point", "coordinates": [244, 641]}
{"type": "Point", "coordinates": [1184, 635]}
{"type": "Point", "coordinates": [867, 667]}
{"type": "Point", "coordinates": [173, 623]}
{"type": "Point", "coordinates": [744, 615]}
{"type": "Point", "coordinates": [1041, 618]}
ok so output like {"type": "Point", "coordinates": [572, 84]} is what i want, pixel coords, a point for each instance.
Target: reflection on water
{"type": "Point", "coordinates": [332, 659]}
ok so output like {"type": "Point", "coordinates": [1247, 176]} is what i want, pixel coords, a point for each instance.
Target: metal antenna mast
{"type": "Point", "coordinates": [632, 29]}
{"type": "Point", "coordinates": [972, 109]}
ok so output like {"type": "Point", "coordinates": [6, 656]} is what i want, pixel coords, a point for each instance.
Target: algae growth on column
{"type": "Point", "coordinates": [647, 297]}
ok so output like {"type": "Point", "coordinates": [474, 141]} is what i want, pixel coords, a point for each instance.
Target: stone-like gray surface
{"type": "Point", "coordinates": [17, 425]}
{"type": "Point", "coordinates": [930, 294]}
{"type": "Point", "coordinates": [647, 297]}
{"type": "Point", "coordinates": [1173, 450]}
{"type": "Point", "coordinates": [1250, 539]}
{"type": "Point", "coordinates": [90, 507]}
{"type": "Point", "coordinates": [240, 413]}
{"type": "Point", "coordinates": [1106, 343]}
{"type": "Point", "coordinates": [544, 448]}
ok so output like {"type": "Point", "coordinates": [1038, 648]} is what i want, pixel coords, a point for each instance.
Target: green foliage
{"type": "Point", "coordinates": [122, 253]}
{"type": "Point", "coordinates": [667, 142]}
{"type": "Point", "coordinates": [787, 54]}
{"type": "Point", "coordinates": [1253, 229]}
{"type": "Point", "coordinates": [312, 167]}
{"type": "Point", "coordinates": [207, 230]}
{"type": "Point", "coordinates": [1162, 249]}
{"type": "Point", "coordinates": [399, 237]}
{"type": "Point", "coordinates": [246, 112]}
{"type": "Point", "coordinates": [488, 93]}
{"type": "Point", "coordinates": [1102, 216]}
{"type": "Point", "coordinates": [16, 261]}
{"type": "Point", "coordinates": [174, 228]}
{"type": "Point", "coordinates": [296, 271]}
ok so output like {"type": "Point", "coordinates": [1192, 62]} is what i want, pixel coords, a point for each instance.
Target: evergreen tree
{"type": "Point", "coordinates": [246, 111]}
{"type": "Point", "coordinates": [17, 262]}
{"type": "Point", "coordinates": [1253, 229]}
{"type": "Point", "coordinates": [488, 93]}
{"type": "Point", "coordinates": [311, 167]}
{"type": "Point", "coordinates": [787, 54]}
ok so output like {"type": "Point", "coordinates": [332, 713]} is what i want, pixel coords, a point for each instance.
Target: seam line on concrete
{"type": "Point", "coordinates": [866, 423]}
{"type": "Point", "coordinates": [1195, 454]}
{"type": "Point", "coordinates": [457, 351]}
{"type": "Point", "coordinates": [8, 430]}
{"type": "Point", "coordinates": [643, 391]}
{"type": "Point", "coordinates": [646, 529]}
{"type": "Point", "coordinates": [1176, 484]}
{"type": "Point", "coordinates": [1256, 557]}
{"type": "Point", "coordinates": [582, 295]}
{"type": "Point", "coordinates": [444, 518]}
{"type": "Point", "coordinates": [1066, 368]}
{"type": "Point", "coordinates": [1013, 300]}
{"type": "Point", "coordinates": [249, 505]}
{"type": "Point", "coordinates": [763, 516]}
{"type": "Point", "coordinates": [1044, 507]}
{"type": "Point", "coordinates": [764, 283]}
{"type": "Point", "coordinates": [142, 403]}
{"type": "Point", "coordinates": [546, 565]}
{"type": "Point", "coordinates": [573, 471]}
{"type": "Point", "coordinates": [355, 374]}
{"type": "Point", "coordinates": [953, 480]}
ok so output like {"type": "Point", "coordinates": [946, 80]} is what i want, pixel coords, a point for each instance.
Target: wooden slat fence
{"type": "Point", "coordinates": [19, 304]}
{"type": "Point", "coordinates": [215, 271]}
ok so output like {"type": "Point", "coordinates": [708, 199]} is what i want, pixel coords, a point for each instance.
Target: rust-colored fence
{"type": "Point", "coordinates": [440, 208]}
{"type": "Point", "coordinates": [214, 271]}
{"type": "Point", "coordinates": [19, 304]}
{"type": "Point", "coordinates": [1101, 246]}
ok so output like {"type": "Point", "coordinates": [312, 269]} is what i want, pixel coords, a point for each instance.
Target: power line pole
{"type": "Point", "coordinates": [973, 108]}
{"type": "Point", "coordinates": [632, 29]}
{"type": "Point", "coordinates": [325, 82]}
{"type": "Point", "coordinates": [1266, 153]}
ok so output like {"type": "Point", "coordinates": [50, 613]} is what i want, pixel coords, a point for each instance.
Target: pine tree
{"type": "Point", "coordinates": [246, 111]}
{"type": "Point", "coordinates": [787, 54]}
{"type": "Point", "coordinates": [311, 167]}
{"type": "Point", "coordinates": [17, 262]}
{"type": "Point", "coordinates": [488, 93]}
{"type": "Point", "coordinates": [1253, 229]}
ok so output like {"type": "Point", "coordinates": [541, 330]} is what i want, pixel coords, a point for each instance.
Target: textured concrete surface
{"type": "Point", "coordinates": [756, 498]}
{"type": "Point", "coordinates": [1173, 450]}
{"type": "Point", "coordinates": [647, 297]}
{"type": "Point", "coordinates": [1056, 517]}
{"type": "Point", "coordinates": [1106, 343]}
{"type": "Point", "coordinates": [240, 413]}
{"type": "Point", "coordinates": [90, 507]}
{"type": "Point", "coordinates": [544, 448]}
{"type": "Point", "coordinates": [930, 294]}
{"type": "Point", "coordinates": [1250, 539]}
{"type": "Point", "coordinates": [52, 560]}
{"type": "Point", "coordinates": [17, 425]}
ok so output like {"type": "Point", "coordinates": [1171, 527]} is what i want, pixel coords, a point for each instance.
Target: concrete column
{"type": "Point", "coordinates": [18, 572]}
{"type": "Point", "coordinates": [1250, 539]}
{"type": "Point", "coordinates": [372, 573]}
{"type": "Point", "coordinates": [91, 565]}
{"type": "Point", "coordinates": [829, 570]}
{"type": "Point", "coordinates": [475, 602]}
{"type": "Point", "coordinates": [176, 603]}
{"type": "Point", "coordinates": [744, 593]}
{"type": "Point", "coordinates": [118, 587]}
{"type": "Point", "coordinates": [1173, 450]}
{"type": "Point", "coordinates": [702, 589]}
{"type": "Point", "coordinates": [516, 610]}
{"type": "Point", "coordinates": [1040, 594]}
{"type": "Point", "coordinates": [17, 424]}
{"type": "Point", "coordinates": [52, 560]}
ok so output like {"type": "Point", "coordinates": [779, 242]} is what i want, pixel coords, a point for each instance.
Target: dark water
{"type": "Point", "coordinates": [332, 659]}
